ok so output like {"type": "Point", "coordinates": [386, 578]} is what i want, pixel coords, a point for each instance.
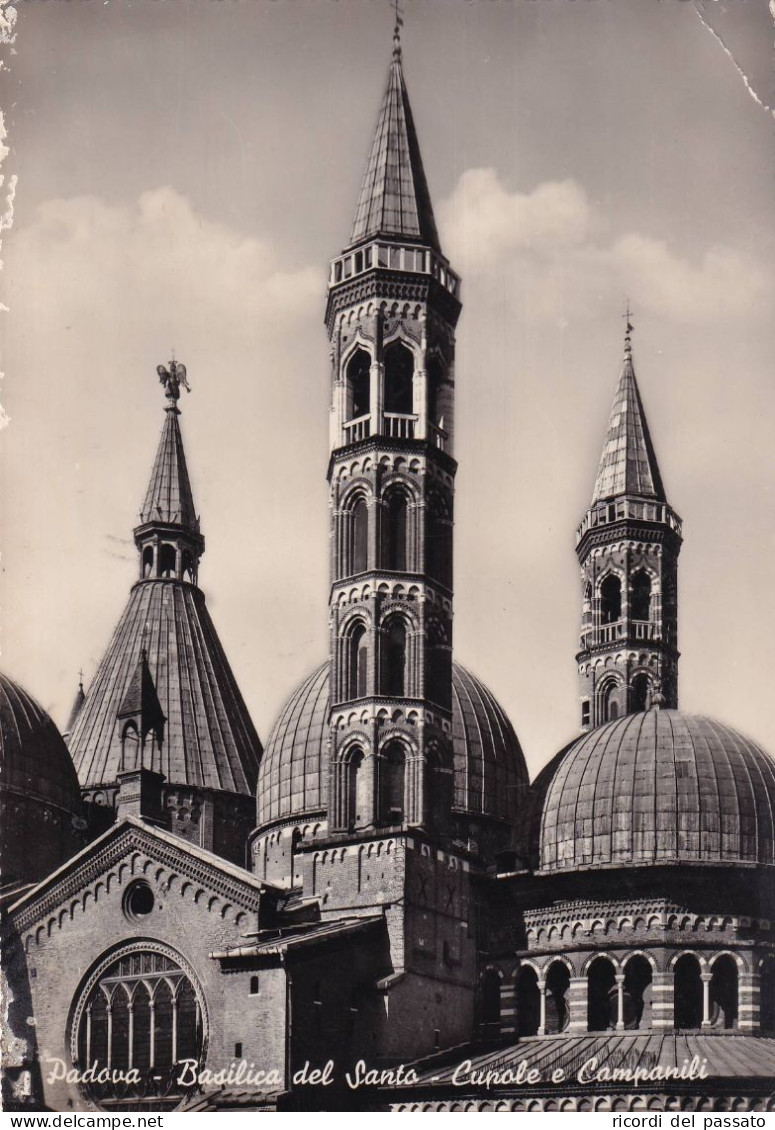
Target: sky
{"type": "Point", "coordinates": [184, 172]}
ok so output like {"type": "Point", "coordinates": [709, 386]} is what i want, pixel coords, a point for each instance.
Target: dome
{"type": "Point", "coordinates": [659, 787]}
{"type": "Point", "coordinates": [490, 771]}
{"type": "Point", "coordinates": [39, 790]}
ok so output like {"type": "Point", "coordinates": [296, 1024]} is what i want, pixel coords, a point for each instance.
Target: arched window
{"type": "Point", "coordinates": [357, 662]}
{"type": "Point", "coordinates": [490, 1005]}
{"type": "Point", "coordinates": [359, 549]}
{"type": "Point", "coordinates": [439, 543]}
{"type": "Point", "coordinates": [189, 569]}
{"type": "Point", "coordinates": [148, 561]}
{"type": "Point", "coordinates": [142, 1012]}
{"type": "Point", "coordinates": [167, 560]}
{"type": "Point", "coordinates": [399, 374]}
{"type": "Point", "coordinates": [602, 997]}
{"type": "Point", "coordinates": [394, 658]}
{"type": "Point", "coordinates": [393, 784]}
{"type": "Point", "coordinates": [688, 992]}
{"type": "Point", "coordinates": [130, 748]}
{"type": "Point", "coordinates": [640, 597]}
{"type": "Point", "coordinates": [358, 385]}
{"type": "Point", "coordinates": [637, 993]}
{"type": "Point", "coordinates": [528, 1002]}
{"type": "Point", "coordinates": [395, 549]}
{"type": "Point", "coordinates": [610, 600]}
{"type": "Point", "coordinates": [641, 686]}
{"type": "Point", "coordinates": [723, 993]}
{"type": "Point", "coordinates": [357, 797]}
{"type": "Point", "coordinates": [557, 986]}
{"type": "Point", "coordinates": [438, 677]}
{"type": "Point", "coordinates": [609, 702]}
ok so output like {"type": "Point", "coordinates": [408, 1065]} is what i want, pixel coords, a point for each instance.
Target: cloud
{"type": "Point", "coordinates": [553, 254]}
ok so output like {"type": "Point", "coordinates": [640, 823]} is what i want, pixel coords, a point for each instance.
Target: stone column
{"type": "Point", "coordinates": [619, 1002]}
{"type": "Point", "coordinates": [542, 999]}
{"type": "Point", "coordinates": [748, 1002]}
{"type": "Point", "coordinates": [663, 1000]}
{"type": "Point", "coordinates": [577, 1005]}
{"type": "Point", "coordinates": [377, 396]}
{"type": "Point", "coordinates": [705, 977]}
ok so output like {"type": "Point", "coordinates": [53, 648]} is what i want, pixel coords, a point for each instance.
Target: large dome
{"type": "Point", "coordinates": [490, 770]}
{"type": "Point", "coordinates": [39, 790]}
{"type": "Point", "coordinates": [659, 787]}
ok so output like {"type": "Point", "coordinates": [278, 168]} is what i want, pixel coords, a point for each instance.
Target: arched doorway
{"type": "Point", "coordinates": [688, 993]}
{"type": "Point", "coordinates": [557, 986]}
{"type": "Point", "coordinates": [528, 1002]}
{"type": "Point", "coordinates": [724, 992]}
{"type": "Point", "coordinates": [637, 993]}
{"type": "Point", "coordinates": [602, 1006]}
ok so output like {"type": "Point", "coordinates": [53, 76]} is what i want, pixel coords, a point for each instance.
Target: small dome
{"type": "Point", "coordinates": [490, 770]}
{"type": "Point", "coordinates": [39, 789]}
{"type": "Point", "coordinates": [659, 787]}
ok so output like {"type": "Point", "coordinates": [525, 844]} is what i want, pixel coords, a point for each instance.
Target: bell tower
{"type": "Point", "coordinates": [393, 303]}
{"type": "Point", "coordinates": [628, 545]}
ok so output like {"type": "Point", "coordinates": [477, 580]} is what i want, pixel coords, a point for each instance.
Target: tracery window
{"type": "Point", "coordinates": [139, 1019]}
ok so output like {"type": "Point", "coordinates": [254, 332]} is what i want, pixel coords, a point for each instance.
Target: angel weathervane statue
{"type": "Point", "coordinates": [172, 378]}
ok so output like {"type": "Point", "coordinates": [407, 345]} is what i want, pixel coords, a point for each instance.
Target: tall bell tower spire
{"type": "Point", "coordinates": [393, 304]}
{"type": "Point", "coordinates": [628, 545]}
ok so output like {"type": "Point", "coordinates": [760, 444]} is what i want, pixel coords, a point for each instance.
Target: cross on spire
{"type": "Point", "coordinates": [397, 28]}
{"type": "Point", "coordinates": [627, 315]}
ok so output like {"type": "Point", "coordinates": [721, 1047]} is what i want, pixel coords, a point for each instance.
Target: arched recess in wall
{"type": "Point", "coordinates": [610, 599]}
{"type": "Point", "coordinates": [355, 535]}
{"type": "Point", "coordinates": [637, 992]}
{"type": "Point", "coordinates": [357, 661]}
{"type": "Point", "coordinates": [358, 815]}
{"type": "Point", "coordinates": [767, 991]}
{"type": "Point", "coordinates": [130, 747]}
{"type": "Point", "coordinates": [687, 990]}
{"type": "Point", "coordinates": [724, 993]}
{"type": "Point", "coordinates": [393, 784]}
{"type": "Point", "coordinates": [438, 676]}
{"type": "Point", "coordinates": [602, 1004]}
{"type": "Point", "coordinates": [358, 385]}
{"type": "Point", "coordinates": [395, 539]}
{"type": "Point", "coordinates": [640, 693]}
{"type": "Point", "coordinates": [528, 1001]}
{"type": "Point", "coordinates": [610, 708]}
{"type": "Point", "coordinates": [557, 988]}
{"type": "Point", "coordinates": [167, 560]}
{"type": "Point", "coordinates": [393, 675]}
{"type": "Point", "coordinates": [148, 561]}
{"type": "Point", "coordinates": [640, 595]}
{"type": "Point", "coordinates": [399, 376]}
{"type": "Point", "coordinates": [439, 540]}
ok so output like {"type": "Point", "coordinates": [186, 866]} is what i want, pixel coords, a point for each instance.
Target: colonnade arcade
{"type": "Point", "coordinates": [683, 990]}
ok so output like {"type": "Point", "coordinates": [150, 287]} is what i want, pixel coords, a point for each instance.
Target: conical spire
{"type": "Point", "coordinates": [78, 701]}
{"type": "Point", "coordinates": [169, 498]}
{"type": "Point", "coordinates": [394, 198]}
{"type": "Point", "coordinates": [628, 464]}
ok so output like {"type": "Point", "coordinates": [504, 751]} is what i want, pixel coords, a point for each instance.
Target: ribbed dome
{"type": "Point", "coordinates": [38, 788]}
{"type": "Point", "coordinates": [490, 771]}
{"type": "Point", "coordinates": [659, 787]}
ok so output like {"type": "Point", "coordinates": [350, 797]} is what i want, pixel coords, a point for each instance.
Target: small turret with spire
{"type": "Point", "coordinates": [628, 545]}
{"type": "Point", "coordinates": [168, 537]}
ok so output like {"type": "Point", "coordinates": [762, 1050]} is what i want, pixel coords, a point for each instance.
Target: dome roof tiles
{"type": "Point", "coordinates": [659, 787]}
{"type": "Point", "coordinates": [490, 771]}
